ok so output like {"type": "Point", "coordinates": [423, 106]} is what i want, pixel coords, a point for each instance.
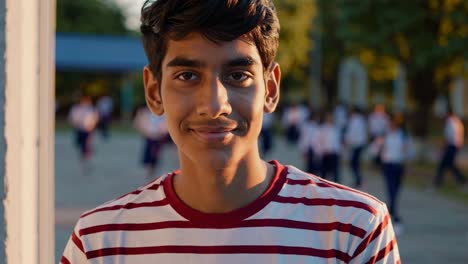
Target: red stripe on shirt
{"type": "Point", "coordinates": [382, 253]}
{"type": "Point", "coordinates": [77, 242]}
{"type": "Point", "coordinates": [64, 260]}
{"type": "Point", "coordinates": [342, 227]}
{"type": "Point", "coordinates": [325, 202]}
{"type": "Point", "coordinates": [246, 249]}
{"type": "Point", "coordinates": [162, 202]}
{"type": "Point", "coordinates": [237, 215]}
{"type": "Point", "coordinates": [339, 186]}
{"type": "Point", "coordinates": [153, 187]}
{"type": "Point", "coordinates": [306, 182]}
{"type": "Point", "coordinates": [373, 235]}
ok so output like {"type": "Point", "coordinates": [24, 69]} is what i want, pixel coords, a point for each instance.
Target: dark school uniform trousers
{"type": "Point", "coordinates": [393, 173]}
{"type": "Point", "coordinates": [448, 162]}
{"type": "Point", "coordinates": [82, 141]}
{"type": "Point", "coordinates": [292, 134]}
{"type": "Point", "coordinates": [330, 166]}
{"type": "Point", "coordinates": [266, 135]}
{"type": "Point", "coordinates": [151, 152]}
{"type": "Point", "coordinates": [355, 164]}
{"type": "Point", "coordinates": [312, 165]}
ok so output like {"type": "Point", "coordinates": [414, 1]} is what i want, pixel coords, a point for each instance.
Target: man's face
{"type": "Point", "coordinates": [213, 96]}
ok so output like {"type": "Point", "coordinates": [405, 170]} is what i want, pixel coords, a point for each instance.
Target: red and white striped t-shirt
{"type": "Point", "coordinates": [301, 218]}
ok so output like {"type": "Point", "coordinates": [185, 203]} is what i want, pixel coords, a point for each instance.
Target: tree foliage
{"type": "Point", "coordinates": [296, 18]}
{"type": "Point", "coordinates": [428, 37]}
{"type": "Point", "coordinates": [90, 16]}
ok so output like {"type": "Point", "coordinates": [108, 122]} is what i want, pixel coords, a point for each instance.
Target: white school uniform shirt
{"type": "Point", "coordinates": [378, 123]}
{"type": "Point", "coordinates": [356, 133]}
{"type": "Point", "coordinates": [328, 139]}
{"type": "Point", "coordinates": [340, 116]}
{"type": "Point", "coordinates": [308, 137]}
{"type": "Point", "coordinates": [150, 125]}
{"type": "Point", "coordinates": [295, 115]}
{"type": "Point", "coordinates": [454, 131]}
{"type": "Point", "coordinates": [394, 147]}
{"type": "Point", "coordinates": [105, 105]}
{"type": "Point", "coordinates": [83, 117]}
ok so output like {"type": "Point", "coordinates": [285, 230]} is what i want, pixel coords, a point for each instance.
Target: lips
{"type": "Point", "coordinates": [213, 134]}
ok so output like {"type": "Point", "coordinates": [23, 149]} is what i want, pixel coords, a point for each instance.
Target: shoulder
{"type": "Point", "coordinates": [331, 196]}
{"type": "Point", "coordinates": [127, 208]}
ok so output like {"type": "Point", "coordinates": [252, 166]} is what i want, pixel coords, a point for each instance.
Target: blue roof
{"type": "Point", "coordinates": [99, 53]}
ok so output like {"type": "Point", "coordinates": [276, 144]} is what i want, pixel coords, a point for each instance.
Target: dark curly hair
{"type": "Point", "coordinates": [217, 20]}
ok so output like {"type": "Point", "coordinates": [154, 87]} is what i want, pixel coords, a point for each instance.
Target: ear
{"type": "Point", "coordinates": [152, 92]}
{"type": "Point", "coordinates": [272, 92]}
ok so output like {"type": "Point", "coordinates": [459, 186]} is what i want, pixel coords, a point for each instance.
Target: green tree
{"type": "Point", "coordinates": [428, 37]}
{"type": "Point", "coordinates": [90, 16]}
{"type": "Point", "coordinates": [296, 17]}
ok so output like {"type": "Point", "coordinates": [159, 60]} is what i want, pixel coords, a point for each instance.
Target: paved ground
{"type": "Point", "coordinates": [436, 229]}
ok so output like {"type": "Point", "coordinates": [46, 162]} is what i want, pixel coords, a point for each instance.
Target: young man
{"type": "Point", "coordinates": [212, 73]}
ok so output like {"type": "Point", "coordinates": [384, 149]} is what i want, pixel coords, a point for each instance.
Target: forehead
{"type": "Point", "coordinates": [196, 47]}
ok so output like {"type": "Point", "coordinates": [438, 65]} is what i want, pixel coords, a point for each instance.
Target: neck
{"type": "Point", "coordinates": [223, 190]}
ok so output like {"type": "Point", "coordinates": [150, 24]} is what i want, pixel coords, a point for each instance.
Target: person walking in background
{"type": "Point", "coordinates": [105, 107]}
{"type": "Point", "coordinates": [308, 144]}
{"type": "Point", "coordinates": [84, 118]}
{"type": "Point", "coordinates": [395, 147]}
{"type": "Point", "coordinates": [378, 125]}
{"type": "Point", "coordinates": [153, 128]}
{"type": "Point", "coordinates": [266, 134]}
{"type": "Point", "coordinates": [293, 117]}
{"type": "Point", "coordinates": [328, 148]}
{"type": "Point", "coordinates": [454, 140]}
{"type": "Point", "coordinates": [340, 115]}
{"type": "Point", "coordinates": [356, 140]}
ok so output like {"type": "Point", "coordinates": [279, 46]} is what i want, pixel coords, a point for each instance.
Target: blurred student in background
{"type": "Point", "coordinates": [378, 126]}
{"type": "Point", "coordinates": [454, 139]}
{"type": "Point", "coordinates": [105, 107]}
{"type": "Point", "coordinates": [308, 144]}
{"type": "Point", "coordinates": [266, 134]}
{"type": "Point", "coordinates": [356, 140]}
{"type": "Point", "coordinates": [84, 118]}
{"type": "Point", "coordinates": [395, 145]}
{"type": "Point", "coordinates": [340, 115]}
{"type": "Point", "coordinates": [294, 116]}
{"type": "Point", "coordinates": [153, 128]}
{"type": "Point", "coordinates": [329, 147]}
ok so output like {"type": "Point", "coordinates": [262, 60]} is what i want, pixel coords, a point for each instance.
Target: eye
{"type": "Point", "coordinates": [187, 76]}
{"type": "Point", "coordinates": [237, 76]}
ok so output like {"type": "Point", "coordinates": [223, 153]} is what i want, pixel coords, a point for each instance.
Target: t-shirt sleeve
{"type": "Point", "coordinates": [379, 245]}
{"type": "Point", "coordinates": [74, 252]}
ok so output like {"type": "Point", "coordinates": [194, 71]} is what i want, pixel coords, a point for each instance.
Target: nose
{"type": "Point", "coordinates": [214, 100]}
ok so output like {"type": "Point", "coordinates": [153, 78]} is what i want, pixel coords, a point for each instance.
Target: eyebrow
{"type": "Point", "coordinates": [243, 61]}
{"type": "Point", "coordinates": [185, 62]}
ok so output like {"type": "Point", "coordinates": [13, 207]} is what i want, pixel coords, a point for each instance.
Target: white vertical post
{"type": "Point", "coordinates": [29, 123]}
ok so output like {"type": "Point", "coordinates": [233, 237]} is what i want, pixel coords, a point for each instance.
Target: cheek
{"type": "Point", "coordinates": [250, 107]}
